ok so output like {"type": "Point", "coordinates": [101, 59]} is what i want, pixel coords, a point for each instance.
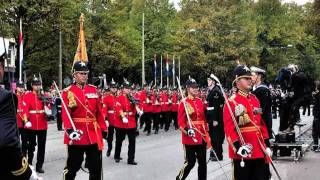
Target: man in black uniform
{"type": "Point", "coordinates": [316, 120]}
{"type": "Point", "coordinates": [12, 163]}
{"type": "Point", "coordinates": [263, 93]}
{"type": "Point", "coordinates": [57, 103]}
{"type": "Point", "coordinates": [214, 118]}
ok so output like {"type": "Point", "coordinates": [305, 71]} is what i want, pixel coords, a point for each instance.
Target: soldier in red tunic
{"type": "Point", "coordinates": [109, 109]}
{"type": "Point", "coordinates": [248, 146]}
{"type": "Point", "coordinates": [83, 105]}
{"type": "Point", "coordinates": [125, 124]}
{"type": "Point", "coordinates": [37, 125]}
{"type": "Point", "coordinates": [194, 133]}
{"type": "Point", "coordinates": [21, 116]}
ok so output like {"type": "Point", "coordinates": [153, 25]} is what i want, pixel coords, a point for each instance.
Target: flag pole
{"type": "Point", "coordinates": [155, 70]}
{"type": "Point", "coordinates": [161, 72]}
{"type": "Point", "coordinates": [20, 51]}
{"type": "Point", "coordinates": [167, 69]}
{"type": "Point", "coordinates": [143, 75]}
{"type": "Point", "coordinates": [173, 72]}
{"type": "Point", "coordinates": [179, 67]}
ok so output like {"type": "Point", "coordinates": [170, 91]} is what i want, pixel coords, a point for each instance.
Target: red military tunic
{"type": "Point", "coordinates": [252, 132]}
{"type": "Point", "coordinates": [34, 110]}
{"type": "Point", "coordinates": [127, 110]}
{"type": "Point", "coordinates": [109, 108]}
{"type": "Point", "coordinates": [196, 113]}
{"type": "Point", "coordinates": [165, 105]}
{"type": "Point", "coordinates": [85, 109]}
{"type": "Point", "coordinates": [145, 98]}
{"type": "Point", "coordinates": [156, 102]}
{"type": "Point", "coordinates": [175, 102]}
{"type": "Point", "coordinates": [21, 115]}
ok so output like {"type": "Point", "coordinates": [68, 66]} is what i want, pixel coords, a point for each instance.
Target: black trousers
{"type": "Point", "coordinates": [34, 138]}
{"type": "Point", "coordinates": [174, 118]}
{"type": "Point", "coordinates": [75, 158]}
{"type": "Point", "coordinates": [120, 136]}
{"type": "Point", "coordinates": [110, 137]}
{"type": "Point", "coordinates": [12, 161]}
{"type": "Point", "coordinates": [217, 137]}
{"type": "Point", "coordinates": [156, 121]}
{"type": "Point", "coordinates": [148, 121]}
{"type": "Point", "coordinates": [59, 121]}
{"type": "Point", "coordinates": [316, 131]}
{"type": "Point", "coordinates": [192, 154]}
{"type": "Point", "coordinates": [166, 120]}
{"type": "Point", "coordinates": [255, 169]}
{"type": "Point", "coordinates": [24, 143]}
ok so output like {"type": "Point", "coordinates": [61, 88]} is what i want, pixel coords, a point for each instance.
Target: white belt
{"type": "Point", "coordinates": [111, 111]}
{"type": "Point", "coordinates": [210, 108]}
{"type": "Point", "coordinates": [128, 113]}
{"type": "Point", "coordinates": [59, 106]}
{"type": "Point", "coordinates": [19, 111]}
{"type": "Point", "coordinates": [36, 111]}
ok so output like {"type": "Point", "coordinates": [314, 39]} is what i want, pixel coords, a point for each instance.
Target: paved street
{"type": "Point", "coordinates": [160, 157]}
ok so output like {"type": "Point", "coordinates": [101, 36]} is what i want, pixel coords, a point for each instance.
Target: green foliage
{"type": "Point", "coordinates": [210, 36]}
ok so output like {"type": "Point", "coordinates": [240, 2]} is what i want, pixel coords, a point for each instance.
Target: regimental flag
{"type": "Point", "coordinates": [167, 65]}
{"type": "Point", "coordinates": [81, 54]}
{"type": "Point", "coordinates": [155, 66]}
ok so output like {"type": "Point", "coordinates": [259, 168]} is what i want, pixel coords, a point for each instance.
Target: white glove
{"type": "Point", "coordinates": [245, 150]}
{"type": "Point", "coordinates": [239, 110]}
{"type": "Point", "coordinates": [291, 94]}
{"type": "Point", "coordinates": [215, 123]}
{"type": "Point", "coordinates": [34, 175]}
{"type": "Point", "coordinates": [125, 120]}
{"type": "Point", "coordinates": [191, 132]}
{"type": "Point", "coordinates": [28, 124]}
{"type": "Point", "coordinates": [75, 135]}
{"type": "Point", "coordinates": [269, 152]}
{"type": "Point", "coordinates": [140, 113]}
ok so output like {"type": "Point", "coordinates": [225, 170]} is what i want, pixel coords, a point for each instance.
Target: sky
{"type": "Point", "coordinates": [299, 2]}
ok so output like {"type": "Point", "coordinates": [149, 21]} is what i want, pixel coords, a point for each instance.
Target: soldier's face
{"type": "Point", "coordinates": [244, 83]}
{"type": "Point", "coordinates": [194, 91]}
{"type": "Point", "coordinates": [20, 90]}
{"type": "Point", "coordinates": [209, 82]}
{"type": "Point", "coordinates": [113, 90]}
{"type": "Point", "coordinates": [36, 88]}
{"type": "Point", "coordinates": [126, 90]}
{"type": "Point", "coordinates": [254, 77]}
{"type": "Point", "coordinates": [81, 77]}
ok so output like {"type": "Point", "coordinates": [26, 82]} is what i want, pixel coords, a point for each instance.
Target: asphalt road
{"type": "Point", "coordinates": [160, 157]}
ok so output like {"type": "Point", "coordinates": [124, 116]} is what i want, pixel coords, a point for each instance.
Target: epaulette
{"type": "Point", "coordinates": [67, 88]}
{"type": "Point", "coordinates": [231, 98]}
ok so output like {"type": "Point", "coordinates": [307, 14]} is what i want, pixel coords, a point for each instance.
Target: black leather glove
{"type": "Point", "coordinates": [104, 135]}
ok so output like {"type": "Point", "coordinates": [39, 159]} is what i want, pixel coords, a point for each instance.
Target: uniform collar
{"type": "Point", "coordinates": [191, 97]}
{"type": "Point", "coordinates": [242, 93]}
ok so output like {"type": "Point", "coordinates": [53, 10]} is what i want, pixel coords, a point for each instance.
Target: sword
{"type": "Point", "coordinates": [65, 107]}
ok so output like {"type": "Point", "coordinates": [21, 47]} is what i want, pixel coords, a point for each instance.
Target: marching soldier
{"type": "Point", "coordinates": [57, 103]}
{"type": "Point", "coordinates": [13, 164]}
{"type": "Point", "coordinates": [21, 116]}
{"type": "Point", "coordinates": [249, 146]}
{"type": "Point", "coordinates": [214, 110]}
{"type": "Point", "coordinates": [146, 102]}
{"type": "Point", "coordinates": [165, 107]}
{"type": "Point", "coordinates": [36, 128]}
{"type": "Point", "coordinates": [109, 108]}
{"type": "Point", "coordinates": [174, 108]}
{"type": "Point", "coordinates": [125, 124]}
{"type": "Point", "coordinates": [194, 134]}
{"type": "Point", "coordinates": [83, 105]}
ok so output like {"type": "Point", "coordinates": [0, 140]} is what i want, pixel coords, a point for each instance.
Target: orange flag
{"type": "Point", "coordinates": [81, 54]}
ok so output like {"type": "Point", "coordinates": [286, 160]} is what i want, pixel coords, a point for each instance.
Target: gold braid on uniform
{"type": "Point", "coordinates": [244, 119]}
{"type": "Point", "coordinates": [72, 101]}
{"type": "Point", "coordinates": [189, 108]}
{"type": "Point", "coordinates": [24, 166]}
